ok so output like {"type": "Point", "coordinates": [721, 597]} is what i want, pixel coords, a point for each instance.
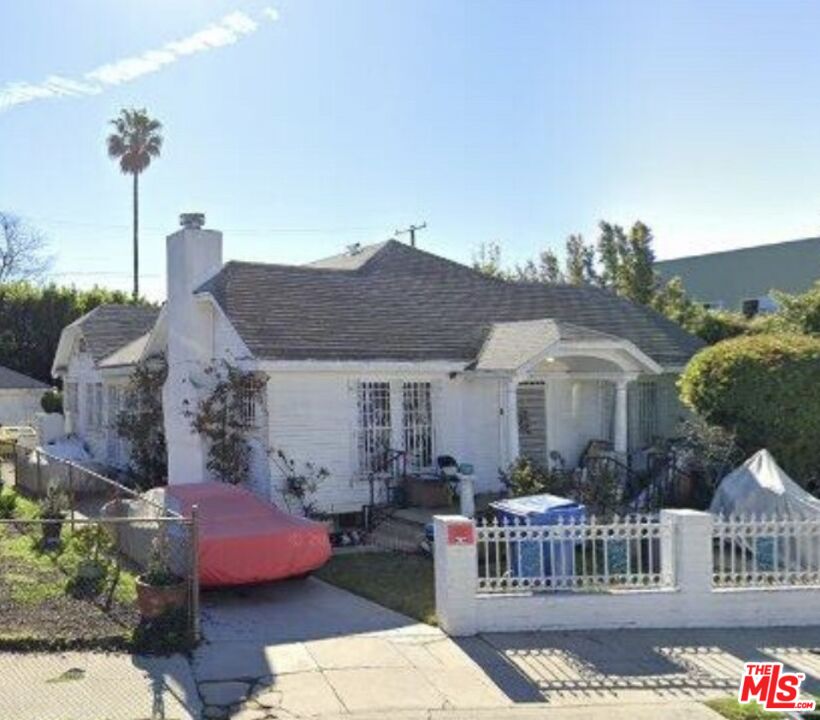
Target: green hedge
{"type": "Point", "coordinates": [765, 388]}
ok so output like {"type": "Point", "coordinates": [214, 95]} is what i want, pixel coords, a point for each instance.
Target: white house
{"type": "Point", "coordinates": [95, 357]}
{"type": "Point", "coordinates": [382, 346]}
{"type": "Point", "coordinates": [20, 397]}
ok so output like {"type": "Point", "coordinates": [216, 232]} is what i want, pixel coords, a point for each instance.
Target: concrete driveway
{"type": "Point", "coordinates": [306, 649]}
{"type": "Point", "coordinates": [311, 649]}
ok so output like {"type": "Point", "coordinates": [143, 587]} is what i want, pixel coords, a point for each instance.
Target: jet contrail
{"type": "Point", "coordinates": [227, 31]}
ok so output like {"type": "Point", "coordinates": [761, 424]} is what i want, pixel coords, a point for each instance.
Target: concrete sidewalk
{"type": "Point", "coordinates": [93, 686]}
{"type": "Point", "coordinates": [680, 711]}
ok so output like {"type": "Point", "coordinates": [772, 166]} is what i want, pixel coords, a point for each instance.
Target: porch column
{"type": "Point", "coordinates": [512, 420]}
{"type": "Point", "coordinates": [621, 416]}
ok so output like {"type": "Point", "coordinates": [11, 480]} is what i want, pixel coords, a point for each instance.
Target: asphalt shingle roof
{"type": "Point", "coordinates": [129, 354]}
{"type": "Point", "coordinates": [107, 328]}
{"type": "Point", "coordinates": [13, 380]}
{"type": "Point", "coordinates": [403, 303]}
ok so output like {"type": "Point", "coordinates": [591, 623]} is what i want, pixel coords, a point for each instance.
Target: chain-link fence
{"type": "Point", "coordinates": [84, 559]}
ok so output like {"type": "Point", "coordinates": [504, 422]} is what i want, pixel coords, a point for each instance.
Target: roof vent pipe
{"type": "Point", "coordinates": [192, 221]}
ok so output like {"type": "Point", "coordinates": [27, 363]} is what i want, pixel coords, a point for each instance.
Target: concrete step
{"type": "Point", "coordinates": [398, 534]}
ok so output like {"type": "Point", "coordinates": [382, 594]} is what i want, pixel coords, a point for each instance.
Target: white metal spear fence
{"type": "Point", "coordinates": [752, 551]}
{"type": "Point", "coordinates": [624, 553]}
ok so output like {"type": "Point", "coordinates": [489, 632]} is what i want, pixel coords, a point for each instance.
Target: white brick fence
{"type": "Point", "coordinates": [683, 569]}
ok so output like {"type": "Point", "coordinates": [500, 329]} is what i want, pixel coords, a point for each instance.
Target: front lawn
{"type": "Point", "coordinates": [45, 603]}
{"type": "Point", "coordinates": [731, 709]}
{"type": "Point", "coordinates": [403, 583]}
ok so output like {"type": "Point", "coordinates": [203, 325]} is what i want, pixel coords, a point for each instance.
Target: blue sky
{"type": "Point", "coordinates": [340, 121]}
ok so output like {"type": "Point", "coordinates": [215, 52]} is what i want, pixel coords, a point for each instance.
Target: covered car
{"type": "Point", "coordinates": [761, 490]}
{"type": "Point", "coordinates": [242, 538]}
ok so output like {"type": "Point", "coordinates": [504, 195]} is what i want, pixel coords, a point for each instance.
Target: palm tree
{"type": "Point", "coordinates": [136, 140]}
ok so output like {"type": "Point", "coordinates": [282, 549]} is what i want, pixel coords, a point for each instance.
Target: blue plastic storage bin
{"type": "Point", "coordinates": [525, 555]}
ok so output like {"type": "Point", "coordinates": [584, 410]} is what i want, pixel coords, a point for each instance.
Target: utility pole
{"type": "Point", "coordinates": [411, 231]}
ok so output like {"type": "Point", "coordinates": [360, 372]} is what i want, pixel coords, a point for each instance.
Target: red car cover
{"type": "Point", "coordinates": [243, 539]}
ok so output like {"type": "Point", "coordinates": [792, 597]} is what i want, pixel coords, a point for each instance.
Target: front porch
{"type": "Point", "coordinates": [568, 389]}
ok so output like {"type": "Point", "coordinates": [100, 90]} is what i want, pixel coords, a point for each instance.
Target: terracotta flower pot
{"type": "Point", "coordinates": [154, 601]}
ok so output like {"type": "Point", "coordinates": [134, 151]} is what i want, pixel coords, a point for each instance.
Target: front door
{"type": "Point", "coordinates": [532, 422]}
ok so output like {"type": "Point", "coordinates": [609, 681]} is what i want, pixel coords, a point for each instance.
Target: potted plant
{"type": "Point", "coordinates": [93, 545]}
{"type": "Point", "coordinates": [53, 508]}
{"type": "Point", "coordinates": [159, 589]}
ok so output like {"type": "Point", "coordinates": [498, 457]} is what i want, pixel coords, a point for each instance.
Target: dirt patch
{"type": "Point", "coordinates": [35, 601]}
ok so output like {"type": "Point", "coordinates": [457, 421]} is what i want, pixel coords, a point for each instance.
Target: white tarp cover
{"type": "Point", "coordinates": [761, 487]}
{"type": "Point", "coordinates": [68, 448]}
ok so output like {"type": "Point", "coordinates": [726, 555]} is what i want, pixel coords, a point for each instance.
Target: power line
{"type": "Point", "coordinates": [102, 273]}
{"type": "Point", "coordinates": [156, 228]}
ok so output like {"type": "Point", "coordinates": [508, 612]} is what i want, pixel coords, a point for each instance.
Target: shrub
{"type": "Point", "coordinates": [8, 504]}
{"type": "Point", "coordinates": [158, 572]}
{"type": "Point", "coordinates": [90, 549]}
{"type": "Point", "coordinates": [704, 454]}
{"type": "Point", "coordinates": [525, 477]}
{"type": "Point", "coordinates": [142, 425]}
{"type": "Point", "coordinates": [713, 326]}
{"type": "Point", "coordinates": [52, 401]}
{"type": "Point", "coordinates": [54, 505]}
{"type": "Point", "coordinates": [301, 484]}
{"type": "Point", "coordinates": [221, 419]}
{"type": "Point", "coordinates": [599, 488]}
{"type": "Point", "coordinates": [763, 388]}
{"type": "Point", "coordinates": [801, 312]}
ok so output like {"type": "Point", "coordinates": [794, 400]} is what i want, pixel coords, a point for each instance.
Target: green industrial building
{"type": "Point", "coordinates": [743, 279]}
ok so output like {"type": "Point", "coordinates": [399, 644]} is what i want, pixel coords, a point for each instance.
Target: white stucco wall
{"type": "Point", "coordinates": [690, 601]}
{"type": "Point", "coordinates": [19, 406]}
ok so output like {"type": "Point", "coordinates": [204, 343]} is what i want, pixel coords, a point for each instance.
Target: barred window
{"type": "Point", "coordinates": [250, 403]}
{"type": "Point", "coordinates": [643, 419]}
{"type": "Point", "coordinates": [397, 416]}
{"type": "Point", "coordinates": [417, 421]}
{"type": "Point", "coordinates": [374, 427]}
